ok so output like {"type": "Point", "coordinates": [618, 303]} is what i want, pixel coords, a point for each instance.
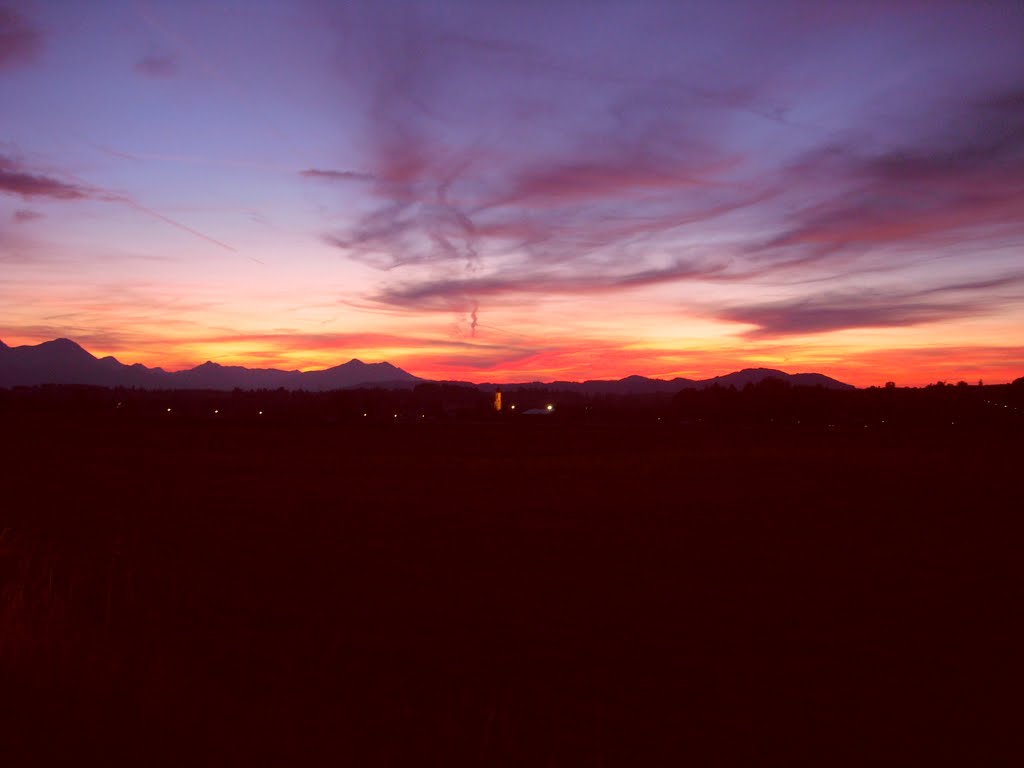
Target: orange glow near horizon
{"type": "Point", "coordinates": [437, 361]}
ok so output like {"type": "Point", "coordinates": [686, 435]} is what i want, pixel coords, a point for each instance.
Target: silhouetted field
{"type": "Point", "coordinates": [515, 593]}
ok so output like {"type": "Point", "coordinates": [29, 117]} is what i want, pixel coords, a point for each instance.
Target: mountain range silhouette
{"type": "Point", "coordinates": [63, 361]}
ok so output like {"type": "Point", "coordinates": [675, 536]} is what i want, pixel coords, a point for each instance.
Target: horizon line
{"type": "Point", "coordinates": [553, 381]}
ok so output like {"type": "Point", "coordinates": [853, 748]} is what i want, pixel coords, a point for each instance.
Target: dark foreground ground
{"type": "Point", "coordinates": [528, 594]}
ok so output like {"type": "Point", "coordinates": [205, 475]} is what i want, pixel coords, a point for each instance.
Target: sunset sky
{"type": "Point", "coordinates": [514, 191]}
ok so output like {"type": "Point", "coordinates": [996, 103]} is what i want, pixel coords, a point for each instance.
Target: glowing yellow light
{"type": "Point", "coordinates": [513, 407]}
{"type": "Point", "coordinates": [551, 407]}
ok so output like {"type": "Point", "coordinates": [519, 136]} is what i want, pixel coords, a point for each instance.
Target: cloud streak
{"type": "Point", "coordinates": [461, 295]}
{"type": "Point", "coordinates": [332, 175]}
{"type": "Point", "coordinates": [874, 308]}
{"type": "Point", "coordinates": [23, 216]}
{"type": "Point", "coordinates": [157, 66]}
{"type": "Point", "coordinates": [16, 180]}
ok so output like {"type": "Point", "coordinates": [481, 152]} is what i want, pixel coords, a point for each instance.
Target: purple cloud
{"type": "Point", "coordinates": [331, 175]}
{"type": "Point", "coordinates": [16, 180]}
{"type": "Point", "coordinates": [20, 40]}
{"type": "Point", "coordinates": [23, 216]}
{"type": "Point", "coordinates": [970, 178]}
{"type": "Point", "coordinates": [462, 294]}
{"type": "Point", "coordinates": [487, 154]}
{"type": "Point", "coordinates": [157, 66]}
{"type": "Point", "coordinates": [874, 308]}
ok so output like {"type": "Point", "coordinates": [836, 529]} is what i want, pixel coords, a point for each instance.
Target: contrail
{"type": "Point", "coordinates": [108, 197]}
{"type": "Point", "coordinates": [188, 159]}
{"type": "Point", "coordinates": [182, 227]}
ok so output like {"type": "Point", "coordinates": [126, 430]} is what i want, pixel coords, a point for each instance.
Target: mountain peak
{"type": "Point", "coordinates": [356, 373]}
{"type": "Point", "coordinates": [756, 375]}
{"type": "Point", "coordinates": [62, 349]}
{"type": "Point", "coordinates": [61, 342]}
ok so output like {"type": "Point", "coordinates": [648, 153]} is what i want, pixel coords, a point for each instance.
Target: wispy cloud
{"type": "Point", "coordinates": [157, 66]}
{"type": "Point", "coordinates": [22, 216]}
{"type": "Point", "coordinates": [969, 178]}
{"type": "Point", "coordinates": [560, 189]}
{"type": "Point", "coordinates": [462, 294]}
{"type": "Point", "coordinates": [520, 204]}
{"type": "Point", "coordinates": [20, 39]}
{"type": "Point", "coordinates": [16, 180]}
{"type": "Point", "coordinates": [332, 175]}
{"type": "Point", "coordinates": [874, 308]}
{"type": "Point", "coordinates": [299, 340]}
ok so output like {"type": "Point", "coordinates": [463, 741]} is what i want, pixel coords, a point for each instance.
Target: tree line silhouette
{"type": "Point", "coordinates": [770, 403]}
